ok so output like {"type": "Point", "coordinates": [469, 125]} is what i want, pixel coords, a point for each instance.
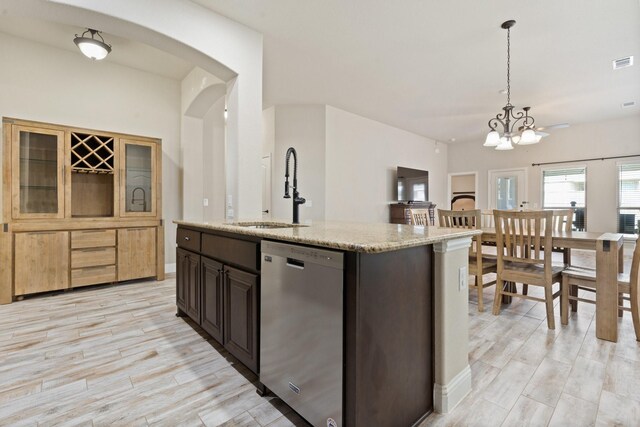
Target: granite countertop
{"type": "Point", "coordinates": [349, 236]}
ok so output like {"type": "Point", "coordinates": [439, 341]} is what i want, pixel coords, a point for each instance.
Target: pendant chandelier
{"type": "Point", "coordinates": [517, 127]}
{"type": "Point", "coordinates": [91, 47]}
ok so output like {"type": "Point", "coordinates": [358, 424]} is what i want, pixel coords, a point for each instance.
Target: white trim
{"type": "Point", "coordinates": [451, 245]}
{"type": "Point", "coordinates": [474, 173]}
{"type": "Point", "coordinates": [447, 396]}
{"type": "Point", "coordinates": [170, 268]}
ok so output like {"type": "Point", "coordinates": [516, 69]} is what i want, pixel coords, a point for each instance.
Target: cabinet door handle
{"type": "Point", "coordinates": [187, 238]}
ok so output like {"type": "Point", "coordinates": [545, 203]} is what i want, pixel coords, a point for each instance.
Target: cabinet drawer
{"type": "Point", "coordinates": [93, 257]}
{"type": "Point", "coordinates": [92, 238]}
{"type": "Point", "coordinates": [188, 239]}
{"type": "Point", "coordinates": [93, 275]}
{"type": "Point", "coordinates": [232, 251]}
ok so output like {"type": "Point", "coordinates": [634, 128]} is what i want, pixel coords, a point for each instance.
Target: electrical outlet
{"type": "Point", "coordinates": [463, 277]}
{"type": "Point", "coordinates": [205, 202]}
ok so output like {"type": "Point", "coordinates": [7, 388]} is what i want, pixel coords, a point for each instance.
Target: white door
{"type": "Point", "coordinates": [266, 187]}
{"type": "Point", "coordinates": [508, 189]}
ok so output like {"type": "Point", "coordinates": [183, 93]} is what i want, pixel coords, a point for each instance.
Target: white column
{"type": "Point", "coordinates": [452, 371]}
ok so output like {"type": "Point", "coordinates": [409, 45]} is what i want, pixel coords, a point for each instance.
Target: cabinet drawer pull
{"type": "Point", "coordinates": [44, 232]}
{"type": "Point", "coordinates": [93, 231]}
{"type": "Point", "coordinates": [187, 238]}
{"type": "Point", "coordinates": [137, 228]}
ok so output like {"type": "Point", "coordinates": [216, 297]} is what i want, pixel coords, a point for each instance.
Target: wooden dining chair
{"type": "Point", "coordinates": [487, 219]}
{"type": "Point", "coordinates": [524, 246]}
{"type": "Point", "coordinates": [420, 217]}
{"type": "Point", "coordinates": [479, 265]}
{"type": "Point", "coordinates": [580, 278]}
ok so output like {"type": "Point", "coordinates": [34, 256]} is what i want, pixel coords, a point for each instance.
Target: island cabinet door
{"type": "Point", "coordinates": [188, 283]}
{"type": "Point", "coordinates": [241, 316]}
{"type": "Point", "coordinates": [182, 278]}
{"type": "Point", "coordinates": [212, 302]}
{"type": "Point", "coordinates": [193, 297]}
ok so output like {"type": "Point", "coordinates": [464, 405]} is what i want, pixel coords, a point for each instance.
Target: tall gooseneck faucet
{"type": "Point", "coordinates": [297, 200]}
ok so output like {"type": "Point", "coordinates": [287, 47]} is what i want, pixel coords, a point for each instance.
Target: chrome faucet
{"type": "Point", "coordinates": [143, 199]}
{"type": "Point", "coordinates": [297, 200]}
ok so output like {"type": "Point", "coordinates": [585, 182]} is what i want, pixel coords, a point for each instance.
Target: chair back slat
{"type": "Point", "coordinates": [420, 217]}
{"type": "Point", "coordinates": [562, 219]}
{"type": "Point", "coordinates": [463, 219]}
{"type": "Point", "coordinates": [459, 219]}
{"type": "Point", "coordinates": [524, 237]}
{"type": "Point", "coordinates": [487, 219]}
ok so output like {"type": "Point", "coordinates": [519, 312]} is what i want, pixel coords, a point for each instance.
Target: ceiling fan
{"type": "Point", "coordinates": [542, 131]}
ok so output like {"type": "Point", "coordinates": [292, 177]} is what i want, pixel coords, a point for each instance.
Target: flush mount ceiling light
{"type": "Point", "coordinates": [524, 133]}
{"type": "Point", "coordinates": [91, 47]}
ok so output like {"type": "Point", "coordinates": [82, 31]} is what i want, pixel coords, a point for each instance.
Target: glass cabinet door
{"type": "Point", "coordinates": [38, 165]}
{"type": "Point", "coordinates": [138, 177]}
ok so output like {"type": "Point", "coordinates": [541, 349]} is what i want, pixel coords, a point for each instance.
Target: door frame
{"type": "Point", "coordinates": [490, 172]}
{"type": "Point", "coordinates": [449, 193]}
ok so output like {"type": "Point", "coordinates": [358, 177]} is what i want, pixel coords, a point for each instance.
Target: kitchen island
{"type": "Point", "coordinates": [405, 296]}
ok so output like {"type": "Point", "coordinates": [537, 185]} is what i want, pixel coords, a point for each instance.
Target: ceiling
{"type": "Point", "coordinates": [436, 67]}
{"type": "Point", "coordinates": [125, 52]}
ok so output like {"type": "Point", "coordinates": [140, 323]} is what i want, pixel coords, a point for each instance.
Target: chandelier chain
{"type": "Point", "coordinates": [508, 66]}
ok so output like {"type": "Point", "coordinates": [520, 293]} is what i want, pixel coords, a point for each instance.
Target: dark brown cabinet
{"type": "Point", "coordinates": [212, 300]}
{"type": "Point", "coordinates": [188, 283]}
{"type": "Point", "coordinates": [241, 315]}
{"type": "Point", "coordinates": [181, 279]}
{"type": "Point", "coordinates": [193, 287]}
{"type": "Point", "coordinates": [219, 289]}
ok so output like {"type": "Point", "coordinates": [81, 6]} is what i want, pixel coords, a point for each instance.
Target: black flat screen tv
{"type": "Point", "coordinates": [413, 185]}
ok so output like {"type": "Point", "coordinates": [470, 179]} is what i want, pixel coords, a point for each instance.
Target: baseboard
{"type": "Point", "coordinates": [170, 268]}
{"type": "Point", "coordinates": [447, 396]}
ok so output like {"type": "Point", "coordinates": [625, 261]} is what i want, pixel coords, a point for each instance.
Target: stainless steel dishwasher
{"type": "Point", "coordinates": [301, 329]}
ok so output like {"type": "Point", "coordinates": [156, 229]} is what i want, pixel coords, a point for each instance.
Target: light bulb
{"type": "Point", "coordinates": [528, 137]}
{"type": "Point", "coordinates": [93, 50]}
{"type": "Point", "coordinates": [505, 144]}
{"type": "Point", "coordinates": [515, 139]}
{"type": "Point", "coordinates": [493, 139]}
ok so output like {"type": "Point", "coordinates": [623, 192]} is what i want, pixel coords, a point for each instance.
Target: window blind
{"type": "Point", "coordinates": [629, 186]}
{"type": "Point", "coordinates": [560, 187]}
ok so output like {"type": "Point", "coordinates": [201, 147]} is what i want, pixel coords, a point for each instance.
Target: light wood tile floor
{"type": "Point", "coordinates": [524, 374]}
{"type": "Point", "coordinates": [118, 356]}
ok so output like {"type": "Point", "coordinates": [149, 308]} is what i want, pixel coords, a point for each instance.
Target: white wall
{"type": "Point", "coordinates": [217, 44]}
{"type": "Point", "coordinates": [303, 128]}
{"type": "Point", "coordinates": [347, 163]}
{"type": "Point", "coordinates": [203, 146]}
{"type": "Point", "coordinates": [361, 158]}
{"type": "Point", "coordinates": [213, 158]}
{"type": "Point", "coordinates": [591, 140]}
{"type": "Point", "coordinates": [73, 90]}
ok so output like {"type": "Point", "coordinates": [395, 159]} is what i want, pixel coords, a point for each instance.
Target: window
{"type": "Point", "coordinates": [566, 188]}
{"type": "Point", "coordinates": [628, 198]}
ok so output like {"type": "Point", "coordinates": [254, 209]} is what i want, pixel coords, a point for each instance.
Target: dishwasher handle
{"type": "Point", "coordinates": [295, 263]}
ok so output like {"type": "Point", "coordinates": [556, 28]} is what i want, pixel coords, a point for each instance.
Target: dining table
{"type": "Point", "coordinates": [609, 250]}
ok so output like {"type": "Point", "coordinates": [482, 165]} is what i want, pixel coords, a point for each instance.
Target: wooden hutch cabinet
{"type": "Point", "coordinates": [79, 207]}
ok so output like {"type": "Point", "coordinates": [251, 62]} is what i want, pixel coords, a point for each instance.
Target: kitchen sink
{"type": "Point", "coordinates": [258, 224]}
